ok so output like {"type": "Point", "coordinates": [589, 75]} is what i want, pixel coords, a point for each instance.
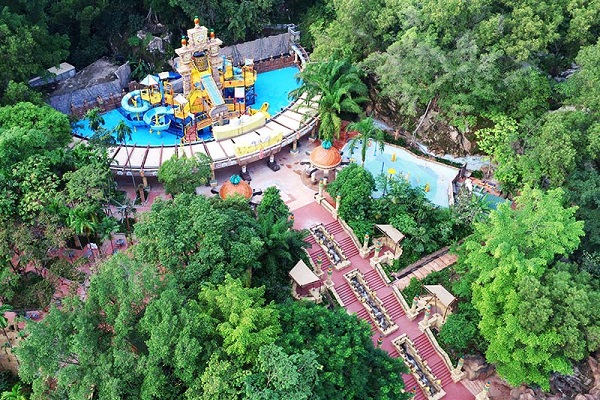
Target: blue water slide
{"type": "Point", "coordinates": [213, 91]}
{"type": "Point", "coordinates": [156, 118]}
{"type": "Point", "coordinates": [132, 103]}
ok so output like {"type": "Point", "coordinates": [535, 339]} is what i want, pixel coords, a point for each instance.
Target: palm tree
{"type": "Point", "coordinates": [95, 119]}
{"type": "Point", "coordinates": [125, 209]}
{"type": "Point", "coordinates": [337, 88]}
{"type": "Point", "coordinates": [83, 223]}
{"type": "Point", "coordinates": [122, 132]}
{"type": "Point", "coordinates": [106, 228]}
{"type": "Point", "coordinates": [15, 394]}
{"type": "Point", "coordinates": [367, 131]}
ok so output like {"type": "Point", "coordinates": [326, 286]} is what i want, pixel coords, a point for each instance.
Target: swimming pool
{"type": "Point", "coordinates": [272, 87]}
{"type": "Point", "coordinates": [418, 171]}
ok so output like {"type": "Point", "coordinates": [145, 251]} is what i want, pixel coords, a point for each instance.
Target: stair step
{"type": "Point", "coordinates": [425, 353]}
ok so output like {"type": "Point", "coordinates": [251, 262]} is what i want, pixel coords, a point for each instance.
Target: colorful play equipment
{"type": "Point", "coordinates": [216, 96]}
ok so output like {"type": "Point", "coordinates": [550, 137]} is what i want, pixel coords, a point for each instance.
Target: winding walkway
{"type": "Point", "coordinates": [313, 214]}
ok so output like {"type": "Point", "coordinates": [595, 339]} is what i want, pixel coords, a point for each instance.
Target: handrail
{"type": "Point", "coordinates": [439, 349]}
{"type": "Point", "coordinates": [400, 298]}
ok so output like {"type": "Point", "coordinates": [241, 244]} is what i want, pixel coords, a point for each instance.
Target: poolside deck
{"type": "Point", "coordinates": [293, 122]}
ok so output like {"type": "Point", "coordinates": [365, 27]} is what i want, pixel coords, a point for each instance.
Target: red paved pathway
{"type": "Point", "coordinates": [314, 214]}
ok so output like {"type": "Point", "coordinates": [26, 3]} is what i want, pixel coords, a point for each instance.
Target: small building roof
{"type": "Point", "coordinates": [235, 185]}
{"type": "Point", "coordinates": [302, 275]}
{"type": "Point", "coordinates": [391, 232]}
{"type": "Point", "coordinates": [444, 296]}
{"type": "Point", "coordinates": [61, 69]}
{"type": "Point", "coordinates": [149, 80]}
{"type": "Point", "coordinates": [325, 156]}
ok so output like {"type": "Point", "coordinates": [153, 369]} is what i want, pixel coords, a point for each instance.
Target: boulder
{"type": "Point", "coordinates": [522, 393]}
{"type": "Point", "coordinates": [156, 44]}
{"type": "Point", "coordinates": [473, 367]}
{"type": "Point", "coordinates": [585, 397]}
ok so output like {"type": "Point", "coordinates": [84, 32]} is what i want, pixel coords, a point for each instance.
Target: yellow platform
{"type": "Point", "coordinates": [238, 126]}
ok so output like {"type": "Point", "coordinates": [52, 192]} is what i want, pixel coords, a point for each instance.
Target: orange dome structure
{"type": "Point", "coordinates": [235, 185]}
{"type": "Point", "coordinates": [325, 157]}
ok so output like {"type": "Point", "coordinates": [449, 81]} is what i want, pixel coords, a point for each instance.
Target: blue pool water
{"type": "Point", "coordinates": [419, 172]}
{"type": "Point", "coordinates": [272, 87]}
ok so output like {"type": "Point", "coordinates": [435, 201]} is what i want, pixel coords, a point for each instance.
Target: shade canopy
{"type": "Point", "coordinates": [391, 232]}
{"type": "Point", "coordinates": [149, 80]}
{"type": "Point", "coordinates": [302, 275]}
{"type": "Point", "coordinates": [180, 99]}
{"type": "Point", "coordinates": [325, 156]}
{"type": "Point", "coordinates": [236, 186]}
{"type": "Point", "coordinates": [440, 292]}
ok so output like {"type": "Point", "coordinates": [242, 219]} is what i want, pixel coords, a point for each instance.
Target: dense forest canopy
{"type": "Point", "coordinates": [516, 81]}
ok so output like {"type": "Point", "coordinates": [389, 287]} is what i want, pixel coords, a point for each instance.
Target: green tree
{"type": "Point", "coordinates": [84, 222]}
{"type": "Point", "coordinates": [199, 239]}
{"type": "Point", "coordinates": [19, 92]}
{"type": "Point", "coordinates": [16, 393]}
{"type": "Point", "coordinates": [283, 246]}
{"type": "Point", "coordinates": [4, 308]}
{"type": "Point", "coordinates": [504, 259]}
{"type": "Point", "coordinates": [92, 347]}
{"type": "Point", "coordinates": [580, 87]}
{"type": "Point", "coordinates": [282, 376]}
{"type": "Point", "coordinates": [504, 144]}
{"type": "Point", "coordinates": [583, 189]}
{"type": "Point", "coordinates": [352, 367]}
{"type": "Point", "coordinates": [106, 227]}
{"type": "Point", "coordinates": [183, 174]}
{"type": "Point", "coordinates": [208, 345]}
{"type": "Point", "coordinates": [355, 185]}
{"type": "Point", "coordinates": [337, 86]}
{"type": "Point", "coordinates": [27, 47]}
{"type": "Point", "coordinates": [122, 133]}
{"type": "Point", "coordinates": [367, 132]}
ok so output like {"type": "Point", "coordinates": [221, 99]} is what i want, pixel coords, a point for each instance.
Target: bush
{"type": "Point", "coordinates": [477, 174]}
{"type": "Point", "coordinates": [413, 289]}
{"type": "Point", "coordinates": [33, 293]}
{"type": "Point", "coordinates": [67, 270]}
{"type": "Point", "coordinates": [460, 335]}
{"type": "Point", "coordinates": [438, 278]}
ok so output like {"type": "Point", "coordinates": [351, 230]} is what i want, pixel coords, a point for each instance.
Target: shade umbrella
{"type": "Point", "coordinates": [149, 80]}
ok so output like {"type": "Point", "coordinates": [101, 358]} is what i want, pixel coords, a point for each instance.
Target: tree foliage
{"type": "Point", "coordinates": [283, 246]}
{"type": "Point", "coordinates": [351, 367]}
{"type": "Point", "coordinates": [198, 240]}
{"type": "Point", "coordinates": [338, 87]}
{"type": "Point", "coordinates": [183, 174]}
{"type": "Point", "coordinates": [516, 287]}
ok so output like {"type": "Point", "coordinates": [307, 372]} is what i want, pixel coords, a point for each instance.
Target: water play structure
{"type": "Point", "coordinates": [212, 113]}
{"type": "Point", "coordinates": [216, 95]}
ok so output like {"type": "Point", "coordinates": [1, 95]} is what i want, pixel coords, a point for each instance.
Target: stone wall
{"type": "Point", "coordinates": [274, 63]}
{"type": "Point", "coordinates": [259, 49]}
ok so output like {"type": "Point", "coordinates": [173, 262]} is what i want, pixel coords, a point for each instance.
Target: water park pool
{"type": "Point", "coordinates": [418, 171]}
{"type": "Point", "coordinates": [271, 87]}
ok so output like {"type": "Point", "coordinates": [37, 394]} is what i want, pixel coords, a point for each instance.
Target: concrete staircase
{"type": "Point", "coordinates": [393, 306]}
{"type": "Point", "coordinates": [346, 294]}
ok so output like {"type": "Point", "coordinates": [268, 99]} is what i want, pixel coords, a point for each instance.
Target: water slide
{"type": "Point", "coordinates": [216, 98]}
{"type": "Point", "coordinates": [132, 103]}
{"type": "Point", "coordinates": [156, 118]}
